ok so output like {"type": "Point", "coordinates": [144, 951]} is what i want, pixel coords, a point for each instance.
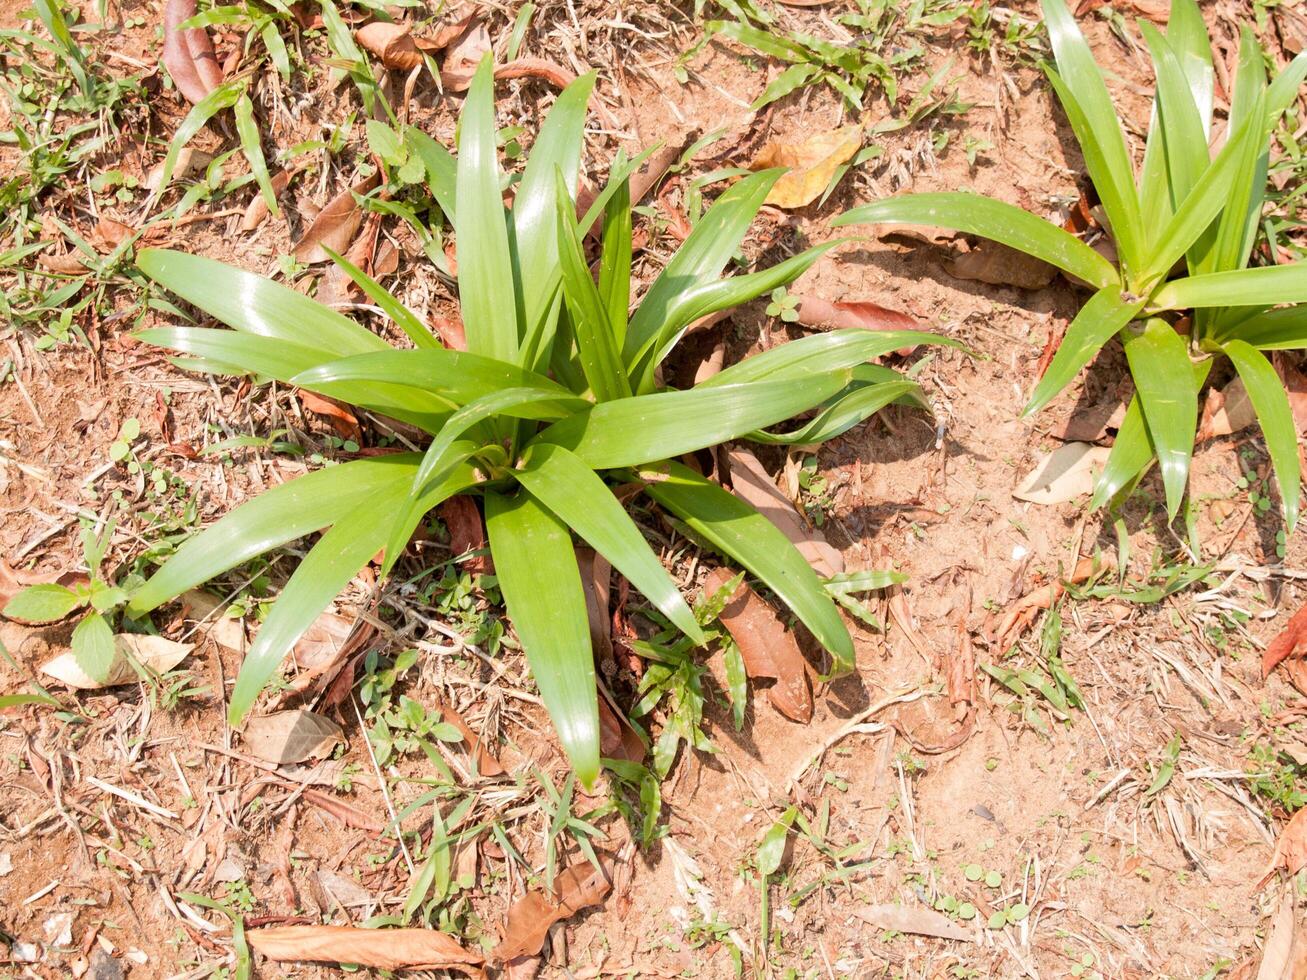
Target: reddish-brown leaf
{"type": "Point", "coordinates": [617, 739]}
{"type": "Point", "coordinates": [257, 211]}
{"type": "Point", "coordinates": [451, 332]}
{"type": "Point", "coordinates": [550, 71]}
{"type": "Point", "coordinates": [463, 54]}
{"type": "Point", "coordinates": [1290, 642]}
{"type": "Point", "coordinates": [467, 532]}
{"type": "Point", "coordinates": [531, 916]}
{"type": "Point", "coordinates": [817, 312]}
{"type": "Point", "coordinates": [335, 224]}
{"type": "Point", "coordinates": [188, 55]}
{"type": "Point", "coordinates": [383, 949]}
{"type": "Point", "coordinates": [596, 579]}
{"type": "Point", "coordinates": [768, 649]}
{"type": "Point", "coordinates": [1291, 849]}
{"type": "Point", "coordinates": [392, 43]}
{"type": "Point", "coordinates": [752, 483]}
{"type": "Point", "coordinates": [487, 764]}
{"type": "Point", "coordinates": [340, 418]}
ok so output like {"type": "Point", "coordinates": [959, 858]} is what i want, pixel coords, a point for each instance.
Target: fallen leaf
{"type": "Point", "coordinates": [531, 916]}
{"type": "Point", "coordinates": [383, 949]}
{"type": "Point", "coordinates": [1277, 954]}
{"type": "Point", "coordinates": [1226, 410]}
{"type": "Point", "coordinates": [463, 54]}
{"type": "Point", "coordinates": [291, 736]}
{"type": "Point", "coordinates": [487, 764]}
{"type": "Point", "coordinates": [816, 312]}
{"type": "Point", "coordinates": [1158, 11]}
{"type": "Point", "coordinates": [617, 739]}
{"type": "Point", "coordinates": [342, 421]}
{"type": "Point", "coordinates": [1064, 474]}
{"type": "Point", "coordinates": [1023, 612]}
{"type": "Point", "coordinates": [1000, 265]}
{"type": "Point", "coordinates": [918, 921]}
{"type": "Point", "coordinates": [451, 332]}
{"type": "Point", "coordinates": [1289, 642]}
{"type": "Point", "coordinates": [596, 579]}
{"type": "Point", "coordinates": [346, 892]}
{"type": "Point", "coordinates": [1092, 423]}
{"type": "Point", "coordinates": [188, 55]}
{"type": "Point", "coordinates": [467, 533]}
{"type": "Point", "coordinates": [257, 211]}
{"type": "Point", "coordinates": [535, 68]}
{"type": "Point", "coordinates": [70, 264]}
{"type": "Point", "coordinates": [392, 43]}
{"type": "Point", "coordinates": [206, 611]}
{"type": "Point", "coordinates": [752, 483]}
{"type": "Point", "coordinates": [335, 224]}
{"type": "Point", "coordinates": [112, 233]}
{"type": "Point", "coordinates": [811, 164]}
{"type": "Point", "coordinates": [768, 649]}
{"type": "Point", "coordinates": [188, 161]}
{"type": "Point", "coordinates": [346, 813]}
{"type": "Point", "coordinates": [154, 652]}
{"type": "Point", "coordinates": [1295, 386]}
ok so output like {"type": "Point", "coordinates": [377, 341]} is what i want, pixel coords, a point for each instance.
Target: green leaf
{"type": "Point", "coordinates": [1239, 287]}
{"type": "Point", "coordinates": [615, 263]}
{"type": "Point", "coordinates": [580, 498]}
{"type": "Point", "coordinates": [1098, 321]}
{"type": "Point", "coordinates": [442, 171]}
{"type": "Point", "coordinates": [632, 431]}
{"type": "Point", "coordinates": [596, 345]}
{"type": "Point", "coordinates": [772, 848]}
{"type": "Point", "coordinates": [1183, 131]}
{"type": "Point", "coordinates": [18, 700]}
{"type": "Point", "coordinates": [93, 647]}
{"type": "Point", "coordinates": [1000, 222]}
{"type": "Point", "coordinates": [1131, 453]}
{"type": "Point", "coordinates": [252, 304]}
{"type": "Point", "coordinates": [557, 147]}
{"type": "Point", "coordinates": [1271, 403]}
{"type": "Point", "coordinates": [739, 532]}
{"type": "Point", "coordinates": [1079, 85]}
{"type": "Point", "coordinates": [45, 603]}
{"type": "Point", "coordinates": [1282, 329]}
{"type": "Point", "coordinates": [541, 585]}
{"type": "Point", "coordinates": [1159, 364]}
{"type": "Point", "coordinates": [486, 288]}
{"type": "Point", "coordinates": [404, 318]}
{"type": "Point", "coordinates": [1186, 32]}
{"type": "Point", "coordinates": [251, 146]}
{"type": "Point", "coordinates": [833, 350]}
{"type": "Point", "coordinates": [704, 254]}
{"type": "Point", "coordinates": [842, 412]}
{"type": "Point", "coordinates": [222, 97]}
{"type": "Point", "coordinates": [275, 518]}
{"type": "Point", "coordinates": [331, 564]}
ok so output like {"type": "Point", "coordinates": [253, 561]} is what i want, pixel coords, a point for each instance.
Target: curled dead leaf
{"type": "Point", "coordinates": [1000, 265]}
{"type": "Point", "coordinates": [1064, 474]}
{"type": "Point", "coordinates": [550, 71]}
{"type": "Point", "coordinates": [341, 419]}
{"type": "Point", "coordinates": [1226, 410]}
{"type": "Point", "coordinates": [467, 534]}
{"type": "Point", "coordinates": [1289, 642]}
{"type": "Point", "coordinates": [1291, 849]}
{"type": "Point", "coordinates": [291, 736]}
{"type": "Point", "coordinates": [392, 43]}
{"type": "Point", "coordinates": [811, 164]}
{"type": "Point", "coordinates": [188, 161]}
{"type": "Point", "coordinates": [112, 233]}
{"type": "Point", "coordinates": [335, 224]}
{"type": "Point", "coordinates": [752, 483]}
{"type": "Point", "coordinates": [155, 652]}
{"type": "Point", "coordinates": [188, 54]}
{"type": "Point", "coordinates": [463, 53]}
{"type": "Point", "coordinates": [257, 211]}
{"type": "Point", "coordinates": [768, 649]}
{"type": "Point", "coordinates": [383, 949]}
{"type": "Point", "coordinates": [531, 916]}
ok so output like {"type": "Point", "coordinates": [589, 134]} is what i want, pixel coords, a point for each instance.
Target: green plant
{"type": "Point", "coordinates": [1186, 204]}
{"type": "Point", "coordinates": [556, 394]}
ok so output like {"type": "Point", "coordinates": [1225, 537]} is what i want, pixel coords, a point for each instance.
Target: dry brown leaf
{"type": "Point", "coordinates": [346, 813]}
{"type": "Point", "coordinates": [382, 949]}
{"type": "Point", "coordinates": [1064, 474]}
{"type": "Point", "coordinates": [335, 224]}
{"type": "Point", "coordinates": [188, 161]}
{"type": "Point", "coordinates": [392, 43]}
{"type": "Point", "coordinates": [467, 533]}
{"type": "Point", "coordinates": [811, 164]}
{"type": "Point", "coordinates": [1226, 411]}
{"type": "Point", "coordinates": [112, 233]}
{"type": "Point", "coordinates": [768, 649]}
{"type": "Point", "coordinates": [596, 580]}
{"type": "Point", "coordinates": [1023, 612]}
{"type": "Point", "coordinates": [342, 421]}
{"type": "Point", "coordinates": [918, 921]}
{"type": "Point", "coordinates": [1001, 265]}
{"type": "Point", "coordinates": [188, 55]}
{"type": "Point", "coordinates": [617, 739]}
{"type": "Point", "coordinates": [550, 71]}
{"type": "Point", "coordinates": [291, 736]}
{"type": "Point", "coordinates": [753, 484]}
{"type": "Point", "coordinates": [1277, 955]}
{"type": "Point", "coordinates": [450, 332]}
{"type": "Point", "coordinates": [1289, 642]}
{"type": "Point", "coordinates": [257, 211]}
{"type": "Point", "coordinates": [70, 264]}
{"type": "Point", "coordinates": [816, 312]}
{"type": "Point", "coordinates": [463, 54]}
{"type": "Point", "coordinates": [155, 652]}
{"type": "Point", "coordinates": [204, 609]}
{"type": "Point", "coordinates": [531, 916]}
{"type": "Point", "coordinates": [487, 764]}
{"type": "Point", "coordinates": [1291, 849]}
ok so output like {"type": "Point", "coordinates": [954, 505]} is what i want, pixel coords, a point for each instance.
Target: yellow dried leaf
{"type": "Point", "coordinates": [811, 164]}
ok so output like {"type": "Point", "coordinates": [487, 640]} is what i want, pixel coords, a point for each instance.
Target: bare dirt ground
{"type": "Point", "coordinates": [1129, 838]}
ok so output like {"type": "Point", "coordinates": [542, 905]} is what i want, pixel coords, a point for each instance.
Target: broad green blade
{"type": "Point", "coordinates": [1282, 329]}
{"type": "Point", "coordinates": [819, 353]}
{"type": "Point", "coordinates": [842, 412]}
{"type": "Point", "coordinates": [232, 352]}
{"type": "Point", "coordinates": [1186, 32]}
{"type": "Point", "coordinates": [1098, 321]}
{"type": "Point", "coordinates": [486, 288]}
{"type": "Point", "coordinates": [703, 255]}
{"type": "Point", "coordinates": [1130, 456]}
{"type": "Point", "coordinates": [580, 498]}
{"type": "Point", "coordinates": [646, 428]}
{"type": "Point", "coordinates": [253, 304]}
{"type": "Point", "coordinates": [456, 376]}
{"type": "Point", "coordinates": [1159, 364]}
{"type": "Point", "coordinates": [1271, 403]}
{"type": "Point", "coordinates": [988, 218]}
{"type": "Point", "coordinates": [404, 318]}
{"type": "Point", "coordinates": [1240, 287]}
{"type": "Point", "coordinates": [615, 263]}
{"type": "Point", "coordinates": [442, 171]}
{"type": "Point", "coordinates": [721, 294]}
{"type": "Point", "coordinates": [1182, 127]}
{"type": "Point", "coordinates": [739, 532]}
{"type": "Point", "coordinates": [351, 542]}
{"type": "Point", "coordinates": [274, 518]}
{"type": "Point", "coordinates": [535, 204]}
{"type": "Point", "coordinates": [541, 585]}
{"type": "Point", "coordinates": [596, 346]}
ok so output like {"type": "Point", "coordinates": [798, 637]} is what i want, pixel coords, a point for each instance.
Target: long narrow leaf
{"type": "Point", "coordinates": [1271, 403]}
{"type": "Point", "coordinates": [1130, 455]}
{"type": "Point", "coordinates": [1098, 321]}
{"type": "Point", "coordinates": [541, 584]}
{"type": "Point", "coordinates": [1240, 287]}
{"type": "Point", "coordinates": [404, 318]}
{"type": "Point", "coordinates": [1159, 364]}
{"type": "Point", "coordinates": [833, 350]}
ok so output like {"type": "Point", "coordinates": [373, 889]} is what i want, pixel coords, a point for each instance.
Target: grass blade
{"type": "Point", "coordinates": [404, 318]}
{"type": "Point", "coordinates": [1271, 403]}
{"type": "Point", "coordinates": [739, 532]}
{"type": "Point", "coordinates": [1097, 322]}
{"type": "Point", "coordinates": [1130, 456]}
{"type": "Point", "coordinates": [252, 147]}
{"type": "Point", "coordinates": [1159, 358]}
{"type": "Point", "coordinates": [576, 494]}
{"type": "Point", "coordinates": [988, 218]}
{"type": "Point", "coordinates": [541, 584]}
{"type": "Point", "coordinates": [222, 97]}
{"type": "Point", "coordinates": [1238, 287]}
{"type": "Point", "coordinates": [834, 350]}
